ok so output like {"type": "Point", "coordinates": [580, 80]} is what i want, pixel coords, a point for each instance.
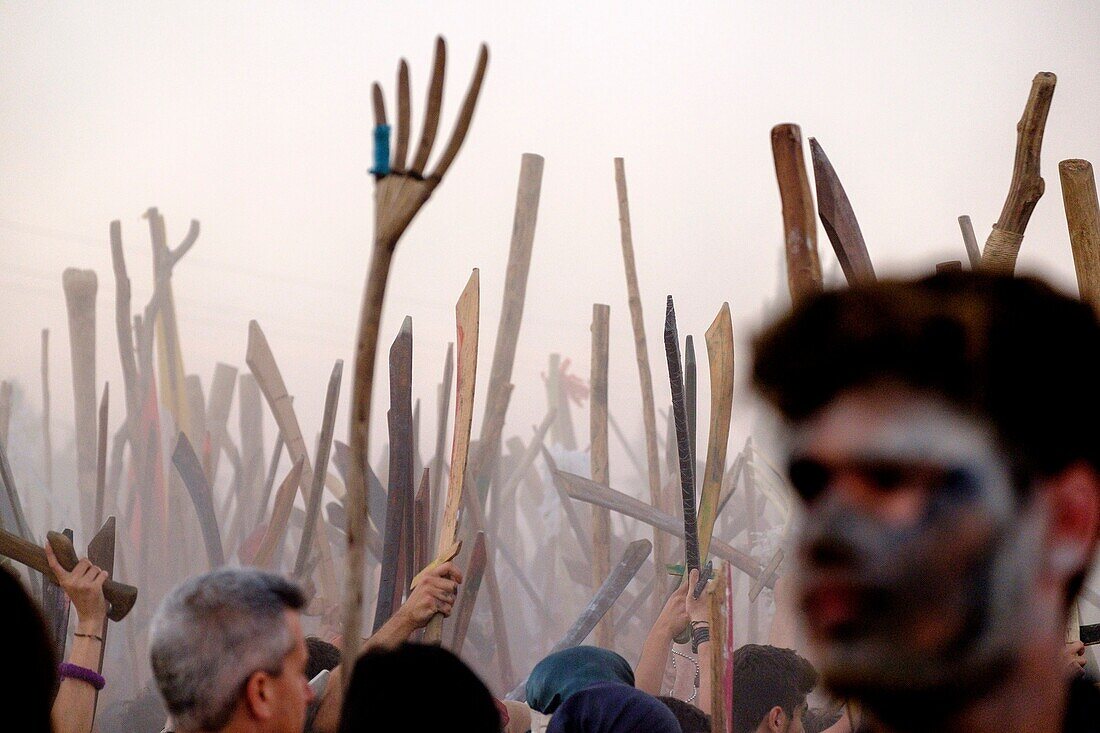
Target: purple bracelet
{"type": "Point", "coordinates": [76, 672]}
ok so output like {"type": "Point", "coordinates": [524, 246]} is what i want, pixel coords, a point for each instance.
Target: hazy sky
{"type": "Point", "coordinates": [254, 118]}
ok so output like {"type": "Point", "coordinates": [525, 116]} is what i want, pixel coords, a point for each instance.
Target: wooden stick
{"type": "Point", "coordinates": [511, 315]}
{"type": "Point", "coordinates": [1027, 186]}
{"type": "Point", "coordinates": [217, 409]}
{"type": "Point", "coordinates": [47, 443]}
{"type": "Point", "coordinates": [1083, 218]}
{"type": "Point", "coordinates": [567, 505]}
{"type": "Point", "coordinates": [422, 522]}
{"type": "Point", "coordinates": [101, 457]}
{"type": "Point", "coordinates": [582, 489]}
{"type": "Point", "coordinates": [189, 466]}
{"type": "Point", "coordinates": [970, 241]}
{"type": "Point", "coordinates": [80, 292]}
{"type": "Point", "coordinates": [645, 375]}
{"type": "Point", "coordinates": [269, 482]}
{"type": "Point", "coordinates": [272, 540]}
{"type": "Point", "coordinates": [467, 597]}
{"type": "Point", "coordinates": [266, 371]}
{"type": "Point", "coordinates": [720, 614]}
{"type": "Point", "coordinates": [399, 196]}
{"type": "Point", "coordinates": [600, 465]}
{"type": "Point", "coordinates": [439, 462]}
{"type": "Point", "coordinates": [5, 412]}
{"type": "Point", "coordinates": [467, 314]}
{"type": "Point", "coordinates": [839, 219]}
{"type": "Point", "coordinates": [317, 487]}
{"type": "Point", "coordinates": [800, 231]}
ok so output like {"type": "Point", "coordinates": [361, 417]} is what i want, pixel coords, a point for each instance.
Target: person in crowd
{"type": "Point", "coordinates": [770, 686]}
{"type": "Point", "coordinates": [417, 687]}
{"type": "Point", "coordinates": [690, 718]}
{"type": "Point", "coordinates": [951, 495]}
{"type": "Point", "coordinates": [28, 679]}
{"type": "Point", "coordinates": [228, 652]}
{"type": "Point", "coordinates": [612, 707]}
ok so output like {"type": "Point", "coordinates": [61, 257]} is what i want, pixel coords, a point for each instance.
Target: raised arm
{"type": "Point", "coordinates": [74, 706]}
{"type": "Point", "coordinates": [672, 620]}
{"type": "Point", "coordinates": [435, 593]}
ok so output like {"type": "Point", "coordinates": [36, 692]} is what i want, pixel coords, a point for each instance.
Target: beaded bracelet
{"type": "Point", "coordinates": [700, 634]}
{"type": "Point", "coordinates": [71, 671]}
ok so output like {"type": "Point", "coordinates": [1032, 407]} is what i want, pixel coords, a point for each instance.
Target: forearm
{"type": "Point", "coordinates": [651, 667]}
{"type": "Point", "coordinates": [74, 706]}
{"type": "Point", "coordinates": [703, 701]}
{"type": "Point", "coordinates": [396, 630]}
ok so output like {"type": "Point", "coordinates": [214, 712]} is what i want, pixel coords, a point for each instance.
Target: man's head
{"type": "Point", "coordinates": [228, 646]}
{"type": "Point", "coordinates": [951, 493]}
{"type": "Point", "coordinates": [769, 689]}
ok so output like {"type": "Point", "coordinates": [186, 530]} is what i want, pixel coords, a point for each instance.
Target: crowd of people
{"type": "Point", "coordinates": [951, 507]}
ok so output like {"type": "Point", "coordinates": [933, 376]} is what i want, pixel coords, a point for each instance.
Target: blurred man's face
{"type": "Point", "coordinates": [915, 558]}
{"type": "Point", "coordinates": [292, 691]}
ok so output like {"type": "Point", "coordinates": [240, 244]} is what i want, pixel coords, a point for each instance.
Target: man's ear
{"type": "Point", "coordinates": [258, 696]}
{"type": "Point", "coordinates": [773, 721]}
{"type": "Point", "coordinates": [1074, 499]}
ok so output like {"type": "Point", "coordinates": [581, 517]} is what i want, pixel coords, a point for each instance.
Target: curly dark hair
{"type": "Point", "coordinates": [1009, 351]}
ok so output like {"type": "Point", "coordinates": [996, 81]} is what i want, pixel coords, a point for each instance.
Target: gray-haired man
{"type": "Point", "coordinates": [228, 652]}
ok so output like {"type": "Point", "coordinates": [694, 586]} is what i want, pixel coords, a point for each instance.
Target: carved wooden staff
{"type": "Point", "coordinates": [719, 339]}
{"type": "Point", "coordinates": [467, 596]}
{"type": "Point", "coordinates": [218, 405]}
{"type": "Point", "coordinates": [683, 444]}
{"type": "Point", "coordinates": [317, 487]}
{"type": "Point", "coordinates": [272, 541]}
{"type": "Point", "coordinates": [1083, 218]}
{"type": "Point", "coordinates": [439, 461]}
{"type": "Point", "coordinates": [585, 490]}
{"type": "Point", "coordinates": [645, 375]}
{"type": "Point", "coordinates": [483, 462]}
{"type": "Point", "coordinates": [392, 581]}
{"type": "Point", "coordinates": [467, 314]}
{"type": "Point", "coordinates": [601, 471]}
{"type": "Point", "coordinates": [400, 193]}
{"type": "Point", "coordinates": [266, 371]}
{"type": "Point", "coordinates": [839, 220]}
{"type": "Point", "coordinates": [190, 470]}
{"type": "Point", "coordinates": [80, 291]}
{"type": "Point", "coordinates": [1026, 188]}
{"type": "Point", "coordinates": [799, 229]}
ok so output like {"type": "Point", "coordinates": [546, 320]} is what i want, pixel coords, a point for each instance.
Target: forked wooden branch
{"type": "Point", "coordinates": [1027, 184]}
{"type": "Point", "coordinates": [799, 229]}
{"type": "Point", "coordinates": [1083, 218]}
{"type": "Point", "coordinates": [399, 194]}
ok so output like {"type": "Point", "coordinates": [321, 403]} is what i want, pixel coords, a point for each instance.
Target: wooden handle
{"type": "Point", "coordinates": [121, 596]}
{"type": "Point", "coordinates": [1083, 218]}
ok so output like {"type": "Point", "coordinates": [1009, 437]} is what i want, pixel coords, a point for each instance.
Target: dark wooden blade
{"type": "Point", "coordinates": [839, 220]}
{"type": "Point", "coordinates": [684, 452]}
{"type": "Point", "coordinates": [190, 470]}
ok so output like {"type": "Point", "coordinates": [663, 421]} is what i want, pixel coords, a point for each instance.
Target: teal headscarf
{"type": "Point", "coordinates": [571, 670]}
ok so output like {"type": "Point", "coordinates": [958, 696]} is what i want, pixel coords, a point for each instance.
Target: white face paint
{"type": "Point", "coordinates": [916, 559]}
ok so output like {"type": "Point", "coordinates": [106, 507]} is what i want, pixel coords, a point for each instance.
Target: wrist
{"type": "Point", "coordinates": [90, 625]}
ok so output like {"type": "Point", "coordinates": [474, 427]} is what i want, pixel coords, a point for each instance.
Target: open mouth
{"type": "Point", "coordinates": [835, 607]}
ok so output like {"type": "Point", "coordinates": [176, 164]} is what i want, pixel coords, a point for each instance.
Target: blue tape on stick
{"type": "Point", "coordinates": [381, 150]}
